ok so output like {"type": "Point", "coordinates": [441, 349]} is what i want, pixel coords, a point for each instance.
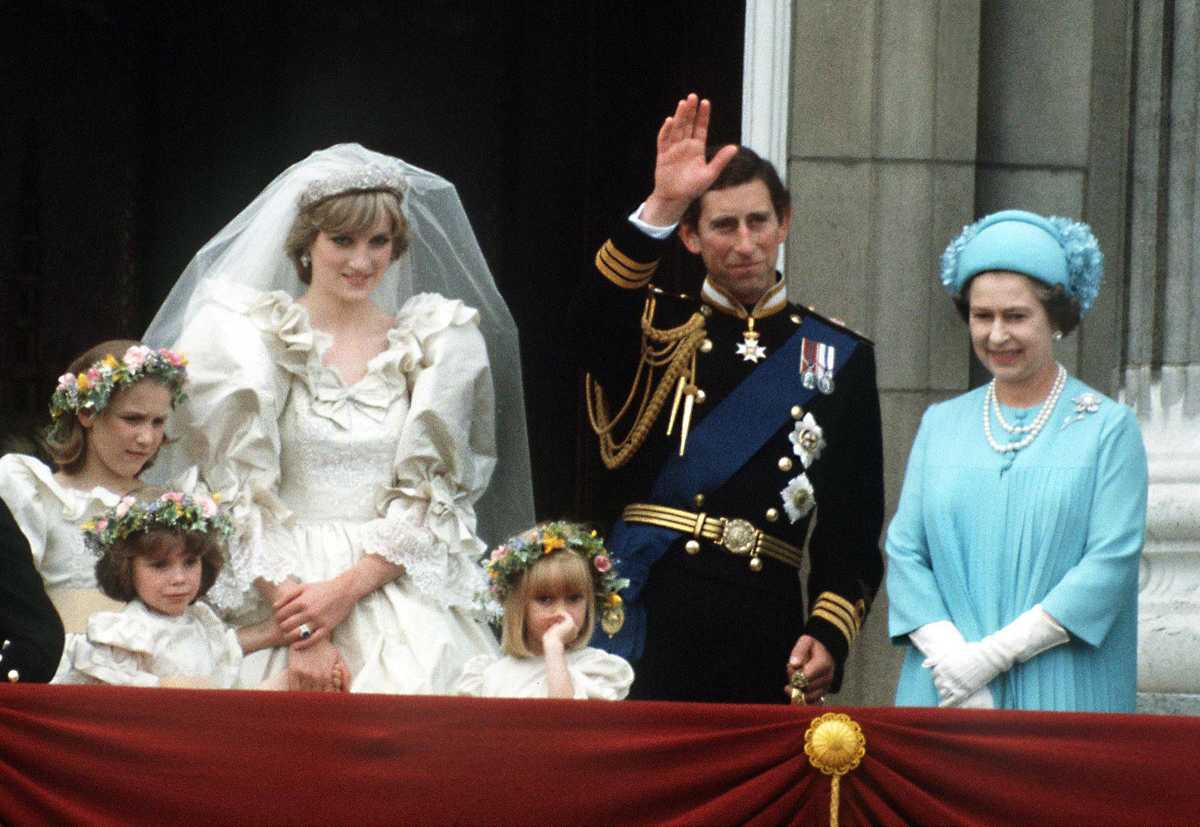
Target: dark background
{"type": "Point", "coordinates": [131, 132]}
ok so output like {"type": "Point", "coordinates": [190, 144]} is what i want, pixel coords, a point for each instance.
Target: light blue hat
{"type": "Point", "coordinates": [1055, 251]}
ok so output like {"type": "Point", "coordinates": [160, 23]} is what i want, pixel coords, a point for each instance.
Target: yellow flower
{"type": "Point", "coordinates": [81, 382]}
{"type": "Point", "coordinates": [110, 361]}
{"type": "Point", "coordinates": [551, 543]}
{"type": "Point", "coordinates": [614, 599]}
{"type": "Point", "coordinates": [90, 525]}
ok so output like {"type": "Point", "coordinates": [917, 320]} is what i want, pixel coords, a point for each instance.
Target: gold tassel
{"type": "Point", "coordinates": [673, 352]}
{"type": "Point", "coordinates": [834, 744]}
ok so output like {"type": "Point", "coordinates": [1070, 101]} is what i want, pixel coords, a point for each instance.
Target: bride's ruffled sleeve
{"type": "Point", "coordinates": [445, 456]}
{"type": "Point", "coordinates": [242, 347]}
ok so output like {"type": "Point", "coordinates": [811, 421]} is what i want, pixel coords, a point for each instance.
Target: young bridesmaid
{"type": "Point", "coordinates": [160, 552]}
{"type": "Point", "coordinates": [108, 413]}
{"type": "Point", "coordinates": [551, 582]}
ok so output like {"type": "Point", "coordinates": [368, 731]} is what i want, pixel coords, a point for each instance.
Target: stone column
{"type": "Point", "coordinates": [1162, 365]}
{"type": "Point", "coordinates": [882, 173]}
{"type": "Point", "coordinates": [909, 118]}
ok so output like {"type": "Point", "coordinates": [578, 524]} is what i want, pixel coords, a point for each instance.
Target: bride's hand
{"type": "Point", "coordinates": [311, 669]}
{"type": "Point", "coordinates": [317, 608]}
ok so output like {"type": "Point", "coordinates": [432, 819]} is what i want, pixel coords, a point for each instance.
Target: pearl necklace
{"type": "Point", "coordinates": [1031, 431]}
{"type": "Point", "coordinates": [1012, 429]}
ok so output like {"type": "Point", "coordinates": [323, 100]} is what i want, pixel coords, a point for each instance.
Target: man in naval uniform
{"type": "Point", "coordinates": [741, 432]}
{"type": "Point", "coordinates": [31, 633]}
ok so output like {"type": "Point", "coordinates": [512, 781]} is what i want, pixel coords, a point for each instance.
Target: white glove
{"type": "Point", "coordinates": [972, 666]}
{"type": "Point", "coordinates": [937, 640]}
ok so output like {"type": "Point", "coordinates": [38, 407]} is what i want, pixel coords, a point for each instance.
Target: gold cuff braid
{"type": "Point", "coordinates": [674, 352]}
{"type": "Point", "coordinates": [734, 534]}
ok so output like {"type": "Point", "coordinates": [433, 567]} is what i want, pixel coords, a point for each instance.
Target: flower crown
{"type": "Point", "coordinates": [508, 562]}
{"type": "Point", "coordinates": [173, 510]}
{"type": "Point", "coordinates": [92, 389]}
{"type": "Point", "coordinates": [1085, 261]}
{"type": "Point", "coordinates": [366, 178]}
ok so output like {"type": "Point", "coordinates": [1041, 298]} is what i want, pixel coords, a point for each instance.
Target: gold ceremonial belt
{"type": "Point", "coordinates": [735, 535]}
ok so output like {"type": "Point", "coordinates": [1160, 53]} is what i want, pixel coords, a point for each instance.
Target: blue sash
{"type": "Point", "coordinates": [717, 448]}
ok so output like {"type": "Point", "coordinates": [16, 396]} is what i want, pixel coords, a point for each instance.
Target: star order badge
{"type": "Point", "coordinates": [749, 348]}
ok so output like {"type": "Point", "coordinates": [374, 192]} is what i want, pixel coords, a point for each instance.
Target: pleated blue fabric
{"type": "Point", "coordinates": [980, 537]}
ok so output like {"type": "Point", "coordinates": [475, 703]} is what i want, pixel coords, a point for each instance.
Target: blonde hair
{"type": "Point", "coordinates": [350, 212]}
{"type": "Point", "coordinates": [565, 567]}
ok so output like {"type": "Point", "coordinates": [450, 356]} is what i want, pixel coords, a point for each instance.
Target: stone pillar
{"type": "Point", "coordinates": [1053, 120]}
{"type": "Point", "coordinates": [909, 118]}
{"type": "Point", "coordinates": [1162, 366]}
{"type": "Point", "coordinates": [882, 173]}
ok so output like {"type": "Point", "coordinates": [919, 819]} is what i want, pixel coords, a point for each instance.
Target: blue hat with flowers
{"type": "Point", "coordinates": [1055, 251]}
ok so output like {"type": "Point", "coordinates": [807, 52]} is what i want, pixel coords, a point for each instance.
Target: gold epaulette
{"type": "Point", "coordinates": [671, 352]}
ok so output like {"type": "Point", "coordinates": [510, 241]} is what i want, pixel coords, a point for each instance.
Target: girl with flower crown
{"type": "Point", "coordinates": [159, 553]}
{"type": "Point", "coordinates": [1013, 556]}
{"type": "Point", "coordinates": [551, 583]}
{"type": "Point", "coordinates": [350, 423]}
{"type": "Point", "coordinates": [107, 419]}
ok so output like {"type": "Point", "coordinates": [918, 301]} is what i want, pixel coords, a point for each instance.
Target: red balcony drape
{"type": "Point", "coordinates": [104, 755]}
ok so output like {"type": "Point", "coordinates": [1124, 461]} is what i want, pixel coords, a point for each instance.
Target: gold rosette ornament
{"type": "Point", "coordinates": [834, 744]}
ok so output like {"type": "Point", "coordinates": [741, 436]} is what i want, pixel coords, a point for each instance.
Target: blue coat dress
{"type": "Point", "coordinates": [981, 537]}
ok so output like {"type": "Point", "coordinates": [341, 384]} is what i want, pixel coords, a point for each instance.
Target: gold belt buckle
{"type": "Point", "coordinates": [739, 536]}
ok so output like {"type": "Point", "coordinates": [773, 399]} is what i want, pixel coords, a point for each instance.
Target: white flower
{"type": "Point", "coordinates": [1086, 403]}
{"type": "Point", "coordinates": [66, 382]}
{"type": "Point", "coordinates": [808, 440]}
{"type": "Point", "coordinates": [798, 498]}
{"type": "Point", "coordinates": [124, 505]}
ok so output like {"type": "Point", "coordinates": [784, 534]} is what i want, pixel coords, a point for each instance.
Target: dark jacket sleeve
{"type": "Point", "coordinates": [847, 564]}
{"type": "Point", "coordinates": [607, 307]}
{"type": "Point", "coordinates": [31, 633]}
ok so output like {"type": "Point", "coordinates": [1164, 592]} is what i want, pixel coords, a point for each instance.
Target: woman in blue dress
{"type": "Point", "coordinates": [1013, 556]}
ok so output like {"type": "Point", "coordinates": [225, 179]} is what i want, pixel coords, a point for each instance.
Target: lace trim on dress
{"type": "Point", "coordinates": [451, 580]}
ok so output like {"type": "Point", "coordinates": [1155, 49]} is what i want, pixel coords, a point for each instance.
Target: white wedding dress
{"type": "Point", "coordinates": [319, 473]}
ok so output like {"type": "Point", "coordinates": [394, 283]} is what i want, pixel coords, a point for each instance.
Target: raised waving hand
{"type": "Point", "coordinates": [681, 173]}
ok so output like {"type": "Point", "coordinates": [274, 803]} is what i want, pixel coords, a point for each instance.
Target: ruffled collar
{"type": "Point", "coordinates": [76, 503]}
{"type": "Point", "coordinates": [299, 349]}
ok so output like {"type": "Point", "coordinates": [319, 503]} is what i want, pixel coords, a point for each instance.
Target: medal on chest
{"type": "Point", "coordinates": [749, 348]}
{"type": "Point", "coordinates": [816, 365]}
